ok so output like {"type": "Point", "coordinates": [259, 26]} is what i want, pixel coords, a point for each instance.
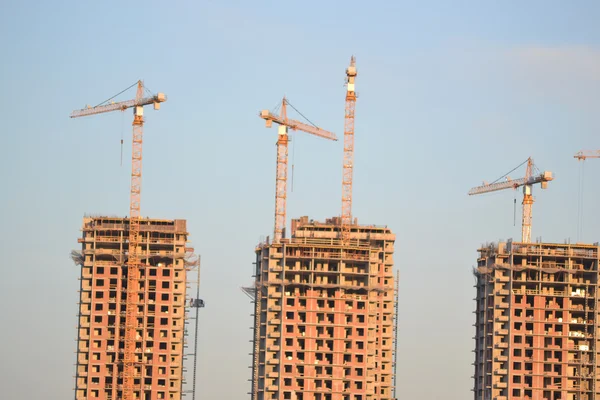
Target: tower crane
{"type": "Point", "coordinates": [134, 260]}
{"type": "Point", "coordinates": [348, 164]}
{"type": "Point", "coordinates": [585, 154]}
{"type": "Point", "coordinates": [286, 123]}
{"type": "Point", "coordinates": [527, 182]}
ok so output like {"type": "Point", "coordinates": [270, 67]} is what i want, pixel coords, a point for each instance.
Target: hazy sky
{"type": "Point", "coordinates": [451, 93]}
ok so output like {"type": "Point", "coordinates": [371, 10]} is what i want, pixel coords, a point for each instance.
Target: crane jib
{"type": "Point", "coordinates": [512, 184]}
{"type": "Point", "coordinates": [122, 105]}
{"type": "Point", "coordinates": [297, 125]}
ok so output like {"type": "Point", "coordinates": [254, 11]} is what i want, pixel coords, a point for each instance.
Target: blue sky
{"type": "Point", "coordinates": [451, 93]}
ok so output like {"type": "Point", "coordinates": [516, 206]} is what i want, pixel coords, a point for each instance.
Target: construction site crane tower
{"type": "Point", "coordinates": [286, 123]}
{"type": "Point", "coordinates": [348, 163]}
{"type": "Point", "coordinates": [527, 182]}
{"type": "Point", "coordinates": [133, 260]}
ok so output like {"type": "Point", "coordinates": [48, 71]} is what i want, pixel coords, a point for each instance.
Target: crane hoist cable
{"type": "Point", "coordinates": [582, 156]}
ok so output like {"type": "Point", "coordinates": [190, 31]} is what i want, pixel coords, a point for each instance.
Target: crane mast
{"type": "Point", "coordinates": [527, 205]}
{"type": "Point", "coordinates": [527, 182]}
{"type": "Point", "coordinates": [348, 165]}
{"type": "Point", "coordinates": [134, 263]}
{"type": "Point", "coordinates": [282, 159]}
{"type": "Point", "coordinates": [281, 178]}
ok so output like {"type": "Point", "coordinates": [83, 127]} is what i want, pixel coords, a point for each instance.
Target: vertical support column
{"type": "Point", "coordinates": [596, 338]}
{"type": "Point", "coordinates": [395, 332]}
{"type": "Point", "coordinates": [511, 310]}
{"type": "Point", "coordinates": [488, 349]}
{"type": "Point", "coordinates": [310, 339]}
{"type": "Point", "coordinates": [379, 291]}
{"type": "Point", "coordinates": [281, 315]}
{"type": "Point", "coordinates": [539, 305]}
{"type": "Point", "coordinates": [338, 346]}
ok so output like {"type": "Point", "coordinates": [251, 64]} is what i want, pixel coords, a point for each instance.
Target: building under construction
{"type": "Point", "coordinates": [161, 308]}
{"type": "Point", "coordinates": [325, 314]}
{"type": "Point", "coordinates": [537, 328]}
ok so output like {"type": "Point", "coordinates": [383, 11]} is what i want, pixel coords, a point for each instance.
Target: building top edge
{"type": "Point", "coordinates": [496, 245]}
{"type": "Point", "coordinates": [118, 218]}
{"type": "Point", "coordinates": [146, 224]}
{"type": "Point", "coordinates": [335, 222]}
{"type": "Point", "coordinates": [539, 249]}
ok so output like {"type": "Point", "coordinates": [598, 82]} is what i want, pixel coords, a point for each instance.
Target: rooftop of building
{"type": "Point", "coordinates": [508, 247]}
{"type": "Point", "coordinates": [334, 223]}
{"type": "Point", "coordinates": [91, 222]}
{"type": "Point", "coordinates": [308, 231]}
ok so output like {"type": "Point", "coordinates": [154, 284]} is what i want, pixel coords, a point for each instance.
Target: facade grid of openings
{"type": "Point", "coordinates": [161, 308]}
{"type": "Point", "coordinates": [325, 314]}
{"type": "Point", "coordinates": [537, 322]}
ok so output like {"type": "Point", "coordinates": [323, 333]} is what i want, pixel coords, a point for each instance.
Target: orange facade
{"type": "Point", "coordinates": [325, 314]}
{"type": "Point", "coordinates": [161, 307]}
{"type": "Point", "coordinates": [536, 322]}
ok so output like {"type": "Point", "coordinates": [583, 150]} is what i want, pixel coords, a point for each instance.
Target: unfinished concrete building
{"type": "Point", "coordinates": [161, 308]}
{"type": "Point", "coordinates": [537, 322]}
{"type": "Point", "coordinates": [325, 314]}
